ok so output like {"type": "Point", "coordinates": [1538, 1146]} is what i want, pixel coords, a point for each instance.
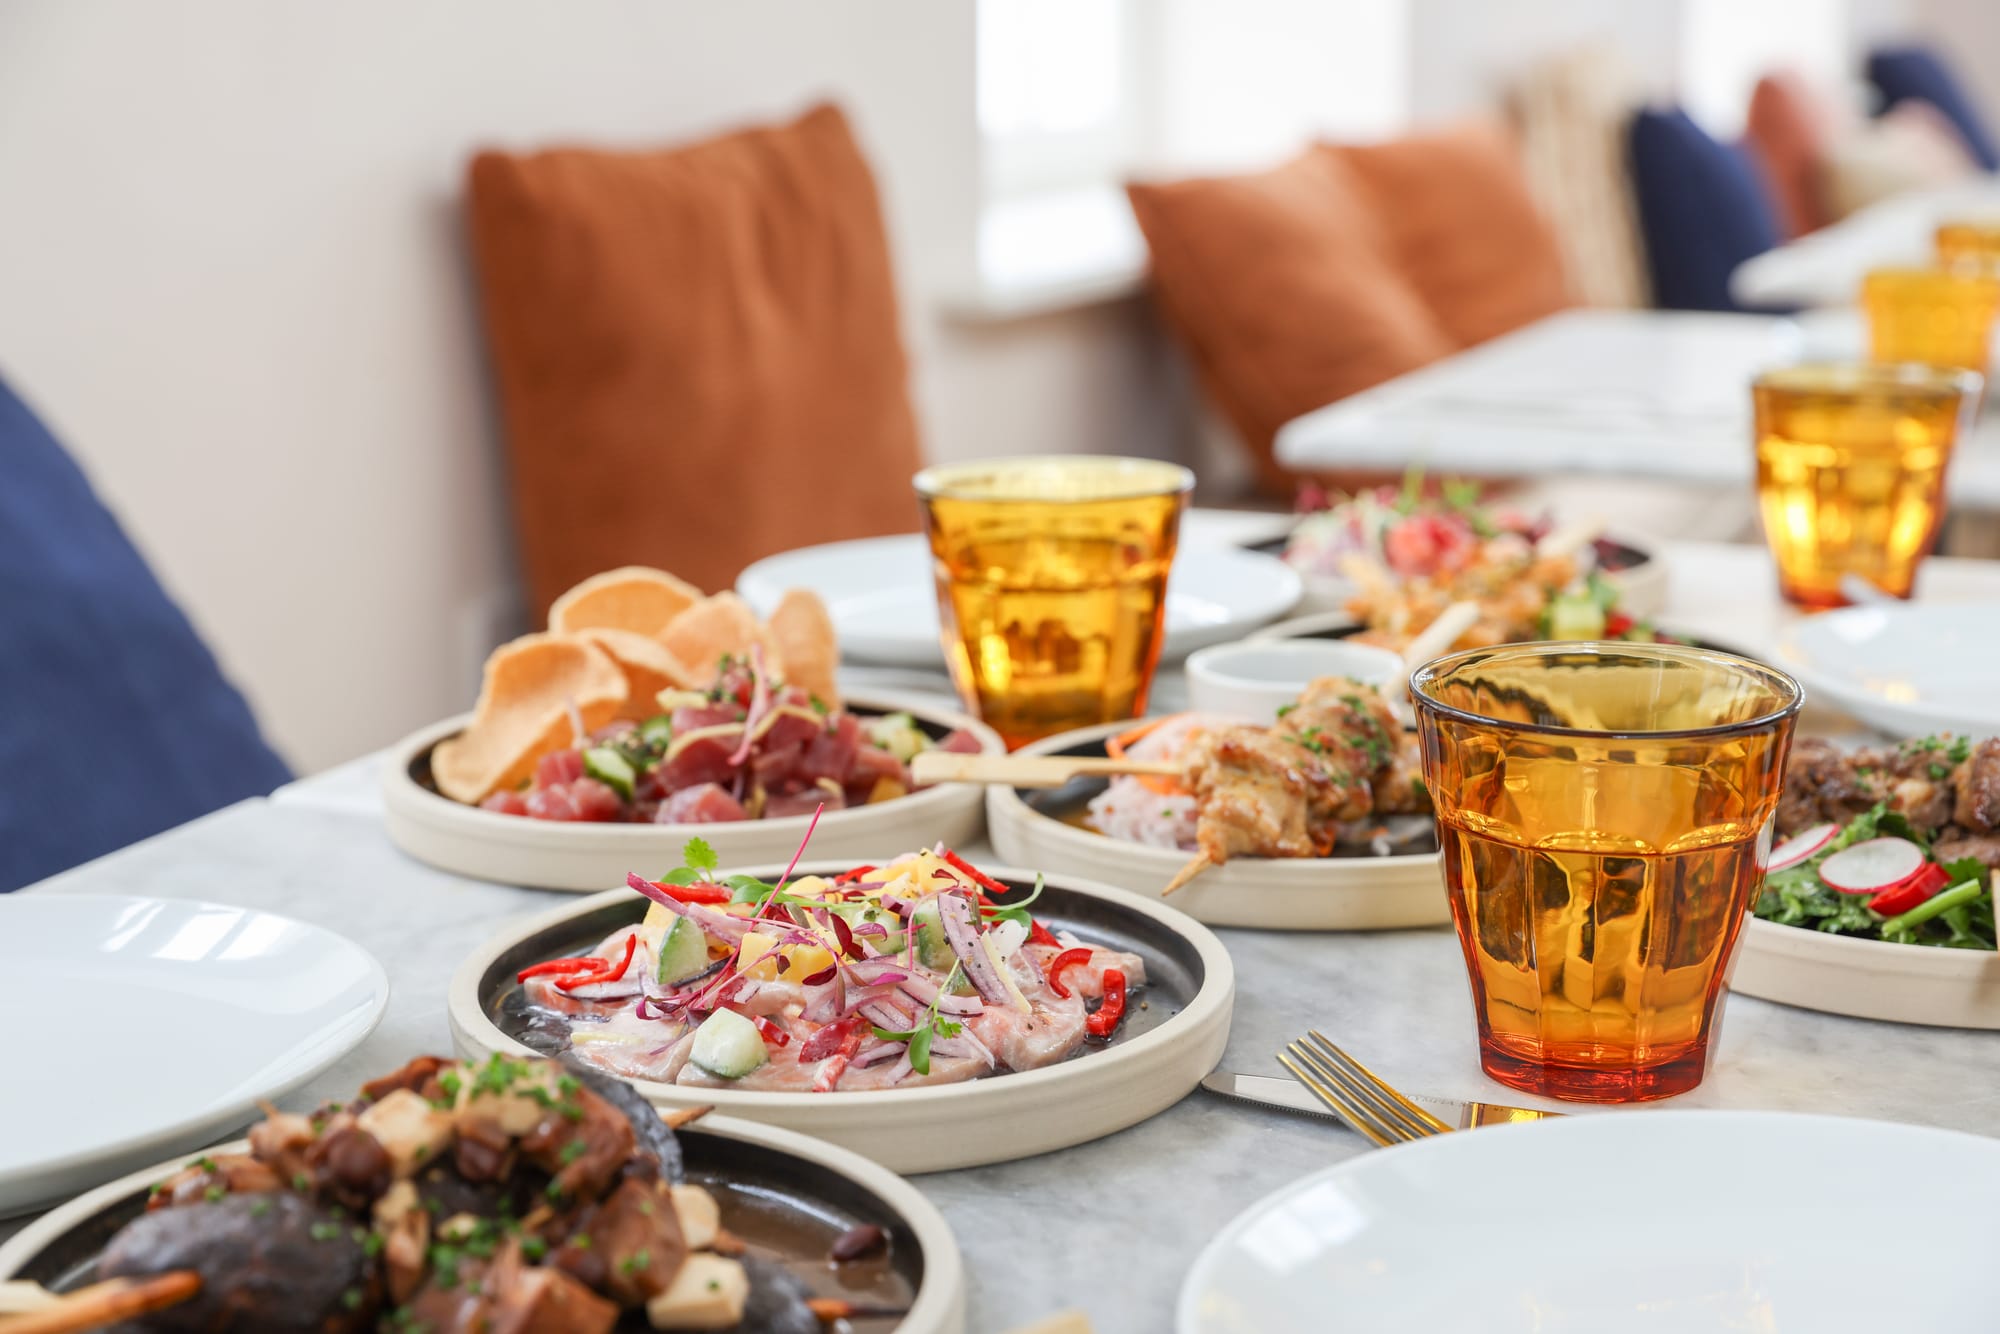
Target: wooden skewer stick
{"type": "Point", "coordinates": [685, 1116]}
{"type": "Point", "coordinates": [1438, 637]}
{"type": "Point", "coordinates": [1569, 540]}
{"type": "Point", "coordinates": [106, 1303]}
{"type": "Point", "coordinates": [1199, 863]}
{"type": "Point", "coordinates": [936, 766]}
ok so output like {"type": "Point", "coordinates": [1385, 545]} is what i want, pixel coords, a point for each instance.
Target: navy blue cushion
{"type": "Point", "coordinates": [1703, 208]}
{"type": "Point", "coordinates": [1916, 74]}
{"type": "Point", "coordinates": [115, 721]}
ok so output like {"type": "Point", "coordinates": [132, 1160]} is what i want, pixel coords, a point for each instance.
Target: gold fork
{"type": "Point", "coordinates": [1356, 1094]}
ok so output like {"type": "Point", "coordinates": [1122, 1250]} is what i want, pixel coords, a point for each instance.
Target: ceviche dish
{"type": "Point", "coordinates": [1336, 772]}
{"type": "Point", "coordinates": [1409, 554]}
{"type": "Point", "coordinates": [1898, 845]}
{"type": "Point", "coordinates": [912, 972]}
{"type": "Point", "coordinates": [513, 1195]}
{"type": "Point", "coordinates": [647, 703]}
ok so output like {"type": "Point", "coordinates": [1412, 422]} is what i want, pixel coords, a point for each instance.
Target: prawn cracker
{"type": "Point", "coordinates": [524, 713]}
{"type": "Point", "coordinates": [648, 667]}
{"type": "Point", "coordinates": [803, 635]}
{"type": "Point", "coordinates": [637, 598]}
{"type": "Point", "coordinates": [714, 628]}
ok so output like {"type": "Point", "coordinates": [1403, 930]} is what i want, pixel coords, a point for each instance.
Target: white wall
{"type": "Point", "coordinates": [232, 277]}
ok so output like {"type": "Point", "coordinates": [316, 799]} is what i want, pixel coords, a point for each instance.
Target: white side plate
{"type": "Point", "coordinates": [935, 1127]}
{"type": "Point", "coordinates": [1639, 1222]}
{"type": "Point", "coordinates": [1869, 979]}
{"type": "Point", "coordinates": [546, 854]}
{"type": "Point", "coordinates": [882, 595]}
{"type": "Point", "coordinates": [151, 1025]}
{"type": "Point", "coordinates": [1305, 893]}
{"type": "Point", "coordinates": [1909, 669]}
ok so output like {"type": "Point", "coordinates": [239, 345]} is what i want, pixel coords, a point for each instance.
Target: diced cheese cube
{"type": "Point", "coordinates": [709, 1292]}
{"type": "Point", "coordinates": [700, 1216]}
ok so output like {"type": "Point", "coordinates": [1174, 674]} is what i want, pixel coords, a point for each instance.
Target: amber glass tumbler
{"type": "Point", "coordinates": [1052, 584]}
{"type": "Point", "coordinates": [1850, 472]}
{"type": "Point", "coordinates": [1605, 811]}
{"type": "Point", "coordinates": [1939, 317]}
{"type": "Point", "coordinates": [1969, 244]}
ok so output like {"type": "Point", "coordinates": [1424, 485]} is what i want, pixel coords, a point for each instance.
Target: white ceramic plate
{"type": "Point", "coordinates": [1641, 1222]}
{"type": "Point", "coordinates": [160, 1024]}
{"type": "Point", "coordinates": [1642, 588]}
{"type": "Point", "coordinates": [1869, 979]}
{"type": "Point", "coordinates": [1908, 669]}
{"type": "Point", "coordinates": [57, 1242]}
{"type": "Point", "coordinates": [1173, 1035]}
{"type": "Point", "coordinates": [881, 594]}
{"type": "Point", "coordinates": [1306, 893]}
{"type": "Point", "coordinates": [545, 854]}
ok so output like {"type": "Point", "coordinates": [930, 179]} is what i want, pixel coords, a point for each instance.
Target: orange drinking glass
{"type": "Point", "coordinates": [1850, 472]}
{"type": "Point", "coordinates": [1938, 317]}
{"type": "Point", "coordinates": [1605, 811]}
{"type": "Point", "coordinates": [1969, 244]}
{"type": "Point", "coordinates": [1052, 584]}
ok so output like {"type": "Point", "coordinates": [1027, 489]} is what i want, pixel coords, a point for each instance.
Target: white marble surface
{"type": "Point", "coordinates": [1108, 1227]}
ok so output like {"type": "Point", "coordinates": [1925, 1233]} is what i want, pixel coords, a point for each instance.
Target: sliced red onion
{"type": "Point", "coordinates": [760, 703]}
{"type": "Point", "coordinates": [961, 930]}
{"type": "Point", "coordinates": [924, 992]}
{"type": "Point", "coordinates": [877, 1052]}
{"type": "Point", "coordinates": [877, 972]}
{"type": "Point", "coordinates": [888, 1015]}
{"type": "Point", "coordinates": [614, 989]}
{"type": "Point", "coordinates": [958, 1046]}
{"type": "Point", "coordinates": [826, 1000]}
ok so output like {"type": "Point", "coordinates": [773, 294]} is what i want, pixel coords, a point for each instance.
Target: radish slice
{"type": "Point", "coordinates": [1871, 867]}
{"type": "Point", "coordinates": [1801, 846]}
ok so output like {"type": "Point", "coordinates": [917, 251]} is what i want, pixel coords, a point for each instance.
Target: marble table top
{"type": "Point", "coordinates": [1109, 1227]}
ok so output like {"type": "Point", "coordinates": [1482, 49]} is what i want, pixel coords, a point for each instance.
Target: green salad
{"type": "Point", "coordinates": [1947, 904]}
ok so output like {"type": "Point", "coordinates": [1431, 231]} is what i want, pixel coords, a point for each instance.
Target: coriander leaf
{"type": "Point", "coordinates": [697, 854]}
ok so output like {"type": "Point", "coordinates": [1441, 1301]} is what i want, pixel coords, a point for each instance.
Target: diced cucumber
{"type": "Point", "coordinates": [657, 731]}
{"type": "Point", "coordinates": [1575, 617]}
{"type": "Point", "coordinates": [728, 1046]}
{"type": "Point", "coordinates": [610, 768]}
{"type": "Point", "coordinates": [683, 953]}
{"type": "Point", "coordinates": [933, 950]}
{"type": "Point", "coordinates": [896, 733]}
{"type": "Point", "coordinates": [858, 914]}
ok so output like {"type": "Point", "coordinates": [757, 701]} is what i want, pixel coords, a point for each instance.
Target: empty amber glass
{"type": "Point", "coordinates": [1938, 317]}
{"type": "Point", "coordinates": [1605, 810]}
{"type": "Point", "coordinates": [1052, 584]}
{"type": "Point", "coordinates": [1851, 466]}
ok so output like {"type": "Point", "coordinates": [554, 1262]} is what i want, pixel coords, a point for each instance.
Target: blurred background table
{"type": "Point", "coordinates": [1659, 395]}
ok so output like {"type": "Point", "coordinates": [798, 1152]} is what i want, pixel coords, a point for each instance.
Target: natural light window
{"type": "Point", "coordinates": [1727, 45]}
{"type": "Point", "coordinates": [1054, 99]}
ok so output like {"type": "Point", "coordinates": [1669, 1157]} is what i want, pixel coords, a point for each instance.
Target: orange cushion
{"type": "Point", "coordinates": [1791, 129]}
{"type": "Point", "coordinates": [1281, 286]}
{"type": "Point", "coordinates": [697, 351]}
{"type": "Point", "coordinates": [1463, 227]}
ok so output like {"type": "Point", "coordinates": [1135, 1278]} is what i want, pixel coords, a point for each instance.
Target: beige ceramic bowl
{"type": "Point", "coordinates": [542, 854]}
{"type": "Point", "coordinates": [1869, 979]}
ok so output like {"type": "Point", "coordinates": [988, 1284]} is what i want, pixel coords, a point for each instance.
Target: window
{"type": "Point", "coordinates": [1054, 93]}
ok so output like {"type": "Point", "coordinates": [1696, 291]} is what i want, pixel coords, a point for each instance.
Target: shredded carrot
{"type": "Point", "coordinates": [1115, 748]}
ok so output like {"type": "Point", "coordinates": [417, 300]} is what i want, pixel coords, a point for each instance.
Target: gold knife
{"type": "Point", "coordinates": [1295, 1097]}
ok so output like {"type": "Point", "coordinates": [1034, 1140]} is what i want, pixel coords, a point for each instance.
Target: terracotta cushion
{"type": "Point", "coordinates": [1463, 227]}
{"type": "Point", "coordinates": [1282, 286]}
{"type": "Point", "coordinates": [697, 351]}
{"type": "Point", "coordinates": [1792, 129]}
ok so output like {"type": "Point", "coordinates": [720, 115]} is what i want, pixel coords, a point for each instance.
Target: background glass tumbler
{"type": "Point", "coordinates": [1938, 317]}
{"type": "Point", "coordinates": [1052, 584]}
{"type": "Point", "coordinates": [1605, 811]}
{"type": "Point", "coordinates": [1851, 466]}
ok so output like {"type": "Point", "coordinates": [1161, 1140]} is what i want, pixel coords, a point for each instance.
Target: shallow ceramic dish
{"type": "Point", "coordinates": [1253, 679]}
{"type": "Point", "coordinates": [207, 1009]}
{"type": "Point", "coordinates": [1173, 1034]}
{"type": "Point", "coordinates": [1346, 893]}
{"type": "Point", "coordinates": [788, 1196]}
{"type": "Point", "coordinates": [1869, 979]}
{"type": "Point", "coordinates": [544, 854]}
{"type": "Point", "coordinates": [1628, 560]}
{"type": "Point", "coordinates": [1646, 1222]}
{"type": "Point", "coordinates": [1908, 669]}
{"type": "Point", "coordinates": [882, 596]}
{"type": "Point", "coordinates": [1339, 625]}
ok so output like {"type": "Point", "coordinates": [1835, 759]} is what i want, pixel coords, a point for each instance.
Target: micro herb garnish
{"type": "Point", "coordinates": [572, 1151]}
{"type": "Point", "coordinates": [1284, 709]}
{"type": "Point", "coordinates": [919, 1038]}
{"type": "Point", "coordinates": [634, 1262]}
{"type": "Point", "coordinates": [1014, 912]}
{"type": "Point", "coordinates": [498, 1076]}
{"type": "Point", "coordinates": [205, 1163]}
{"type": "Point", "coordinates": [534, 1248]}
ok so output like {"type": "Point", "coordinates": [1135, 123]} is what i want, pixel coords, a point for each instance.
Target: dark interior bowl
{"type": "Point", "coordinates": [787, 1209]}
{"type": "Point", "coordinates": [1174, 972]}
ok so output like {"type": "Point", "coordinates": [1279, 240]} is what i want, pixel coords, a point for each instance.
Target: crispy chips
{"type": "Point", "coordinates": [524, 711]}
{"type": "Point", "coordinates": [615, 641]}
